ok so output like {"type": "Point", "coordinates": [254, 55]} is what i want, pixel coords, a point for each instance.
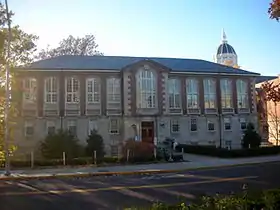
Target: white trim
{"type": "Point", "coordinates": [193, 118]}
{"type": "Point", "coordinates": [72, 92]}
{"type": "Point", "coordinates": [111, 71]}
{"type": "Point", "coordinates": [92, 125]}
{"type": "Point", "coordinates": [52, 91]}
{"type": "Point", "coordinates": [207, 84]}
{"type": "Point", "coordinates": [193, 81]}
{"type": "Point", "coordinates": [118, 126]}
{"type": "Point", "coordinates": [116, 83]}
{"type": "Point", "coordinates": [31, 91]}
{"type": "Point", "coordinates": [209, 121]}
{"type": "Point", "coordinates": [174, 122]}
{"type": "Point", "coordinates": [229, 121]}
{"type": "Point", "coordinates": [93, 92]}
{"type": "Point", "coordinates": [174, 83]}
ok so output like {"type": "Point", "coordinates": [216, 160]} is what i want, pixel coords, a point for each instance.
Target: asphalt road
{"type": "Point", "coordinates": [119, 192]}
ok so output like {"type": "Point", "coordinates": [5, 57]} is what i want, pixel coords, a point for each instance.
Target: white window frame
{"type": "Point", "coordinates": [227, 120]}
{"type": "Point", "coordinates": [72, 123]}
{"type": "Point", "coordinates": [74, 92]}
{"type": "Point", "coordinates": [95, 93]}
{"type": "Point", "coordinates": [116, 130]}
{"type": "Point", "coordinates": [92, 125]}
{"type": "Point", "coordinates": [174, 93]}
{"type": "Point", "coordinates": [29, 90]}
{"type": "Point", "coordinates": [28, 124]}
{"type": "Point", "coordinates": [113, 90]}
{"type": "Point", "coordinates": [193, 121]}
{"type": "Point", "coordinates": [242, 94]}
{"type": "Point", "coordinates": [147, 97]}
{"type": "Point", "coordinates": [51, 90]}
{"type": "Point", "coordinates": [226, 93]}
{"type": "Point", "coordinates": [243, 120]}
{"type": "Point", "coordinates": [209, 121]}
{"type": "Point", "coordinates": [50, 124]}
{"type": "Point", "coordinates": [192, 92]}
{"type": "Point", "coordinates": [175, 124]}
{"type": "Point", "coordinates": [210, 96]}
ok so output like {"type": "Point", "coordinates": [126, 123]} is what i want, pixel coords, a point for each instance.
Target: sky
{"type": "Point", "coordinates": [159, 28]}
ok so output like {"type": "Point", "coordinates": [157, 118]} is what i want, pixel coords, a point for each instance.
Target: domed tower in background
{"type": "Point", "coordinates": [226, 55]}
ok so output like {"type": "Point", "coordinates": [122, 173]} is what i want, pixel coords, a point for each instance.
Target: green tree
{"type": "Point", "coordinates": [72, 46]}
{"type": "Point", "coordinates": [95, 143]}
{"type": "Point", "coordinates": [22, 47]}
{"type": "Point", "coordinates": [251, 138]}
{"type": "Point", "coordinates": [53, 146]}
{"type": "Point", "coordinates": [274, 10]}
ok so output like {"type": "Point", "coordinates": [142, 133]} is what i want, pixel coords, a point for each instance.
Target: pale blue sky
{"type": "Point", "coordinates": [161, 28]}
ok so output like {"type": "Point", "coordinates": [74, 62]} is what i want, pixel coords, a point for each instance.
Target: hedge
{"type": "Point", "coordinates": [79, 162]}
{"type": "Point", "coordinates": [225, 153]}
{"type": "Point", "coordinates": [266, 200]}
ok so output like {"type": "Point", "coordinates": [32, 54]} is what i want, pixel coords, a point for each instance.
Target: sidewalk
{"type": "Point", "coordinates": [195, 162]}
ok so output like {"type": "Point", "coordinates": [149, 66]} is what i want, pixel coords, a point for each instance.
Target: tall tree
{"type": "Point", "coordinates": [22, 47]}
{"type": "Point", "coordinates": [272, 98]}
{"type": "Point", "coordinates": [72, 46]}
{"type": "Point", "coordinates": [274, 9]}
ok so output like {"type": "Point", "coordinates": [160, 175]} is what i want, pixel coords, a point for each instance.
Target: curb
{"type": "Point", "coordinates": [119, 173]}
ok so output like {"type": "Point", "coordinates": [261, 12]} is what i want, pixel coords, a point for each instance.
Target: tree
{"type": "Point", "coordinates": [251, 138]}
{"type": "Point", "coordinates": [272, 98]}
{"type": "Point", "coordinates": [95, 143]}
{"type": "Point", "coordinates": [72, 46]}
{"type": "Point", "coordinates": [22, 47]}
{"type": "Point", "coordinates": [274, 10]}
{"type": "Point", "coordinates": [53, 146]}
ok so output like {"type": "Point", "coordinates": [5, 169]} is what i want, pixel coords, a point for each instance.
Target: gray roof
{"type": "Point", "coordinates": [72, 62]}
{"type": "Point", "coordinates": [261, 79]}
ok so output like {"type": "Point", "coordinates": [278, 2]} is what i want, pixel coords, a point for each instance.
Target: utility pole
{"type": "Point", "coordinates": [7, 105]}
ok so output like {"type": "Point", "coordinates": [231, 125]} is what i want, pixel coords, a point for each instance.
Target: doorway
{"type": "Point", "coordinates": [147, 131]}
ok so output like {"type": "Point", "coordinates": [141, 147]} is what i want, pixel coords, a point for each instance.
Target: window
{"type": "Point", "coordinates": [29, 90]}
{"type": "Point", "coordinates": [93, 90]}
{"type": "Point", "coordinates": [243, 124]}
{"type": "Point", "coordinates": [114, 126]}
{"type": "Point", "coordinates": [50, 127]}
{"type": "Point", "coordinates": [92, 125]}
{"type": "Point", "coordinates": [226, 93]}
{"type": "Point", "coordinates": [29, 129]}
{"type": "Point", "coordinates": [242, 94]}
{"type": "Point", "coordinates": [227, 124]}
{"type": "Point", "coordinates": [210, 125]}
{"type": "Point", "coordinates": [192, 93]}
{"type": "Point", "coordinates": [72, 90]}
{"type": "Point", "coordinates": [147, 89]}
{"type": "Point", "coordinates": [174, 93]}
{"type": "Point", "coordinates": [113, 90]}
{"type": "Point", "coordinates": [51, 90]}
{"type": "Point", "coordinates": [72, 127]}
{"type": "Point", "coordinates": [175, 126]}
{"type": "Point", "coordinates": [193, 124]}
{"type": "Point", "coordinates": [209, 93]}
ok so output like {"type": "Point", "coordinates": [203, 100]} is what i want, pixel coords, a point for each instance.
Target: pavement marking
{"type": "Point", "coordinates": [77, 190]}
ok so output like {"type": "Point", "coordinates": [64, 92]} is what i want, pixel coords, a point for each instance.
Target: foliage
{"type": "Point", "coordinates": [251, 138]}
{"type": "Point", "coordinates": [274, 10]}
{"type": "Point", "coordinates": [138, 150]}
{"type": "Point", "coordinates": [22, 47]}
{"type": "Point", "coordinates": [272, 91]}
{"type": "Point", "coordinates": [95, 143]}
{"type": "Point", "coordinates": [72, 46]}
{"type": "Point", "coordinates": [53, 146]}
{"type": "Point", "coordinates": [225, 153]}
{"type": "Point", "coordinates": [269, 199]}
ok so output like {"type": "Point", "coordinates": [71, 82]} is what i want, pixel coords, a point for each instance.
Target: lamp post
{"type": "Point", "coordinates": [7, 105]}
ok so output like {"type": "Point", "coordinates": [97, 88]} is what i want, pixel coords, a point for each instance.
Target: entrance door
{"type": "Point", "coordinates": [147, 132]}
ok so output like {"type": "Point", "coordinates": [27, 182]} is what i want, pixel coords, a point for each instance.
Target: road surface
{"type": "Point", "coordinates": [119, 192]}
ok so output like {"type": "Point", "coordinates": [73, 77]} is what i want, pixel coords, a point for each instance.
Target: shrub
{"type": "Point", "coordinates": [225, 153]}
{"type": "Point", "coordinates": [95, 143]}
{"type": "Point", "coordinates": [251, 138]}
{"type": "Point", "coordinates": [138, 151]}
{"type": "Point", "coordinates": [53, 146]}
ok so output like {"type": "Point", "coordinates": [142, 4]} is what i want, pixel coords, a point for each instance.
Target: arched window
{"type": "Point", "coordinates": [147, 89]}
